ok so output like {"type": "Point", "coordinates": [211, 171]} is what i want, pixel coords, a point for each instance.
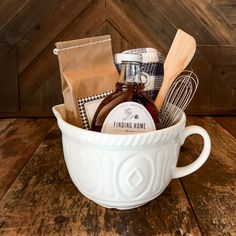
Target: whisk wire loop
{"type": "Point", "coordinates": [178, 97]}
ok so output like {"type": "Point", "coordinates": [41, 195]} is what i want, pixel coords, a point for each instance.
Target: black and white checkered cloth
{"type": "Point", "coordinates": [82, 110]}
{"type": "Point", "coordinates": [152, 64]}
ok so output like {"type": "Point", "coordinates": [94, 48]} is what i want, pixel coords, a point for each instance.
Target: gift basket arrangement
{"type": "Point", "coordinates": [123, 119]}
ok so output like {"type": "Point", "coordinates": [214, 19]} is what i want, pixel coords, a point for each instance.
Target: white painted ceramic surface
{"type": "Point", "coordinates": [126, 171]}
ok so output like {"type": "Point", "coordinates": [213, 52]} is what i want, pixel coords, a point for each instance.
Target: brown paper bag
{"type": "Point", "coordinates": [87, 68]}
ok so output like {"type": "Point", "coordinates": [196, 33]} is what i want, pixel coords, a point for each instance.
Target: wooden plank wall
{"type": "Point", "coordinates": [29, 75]}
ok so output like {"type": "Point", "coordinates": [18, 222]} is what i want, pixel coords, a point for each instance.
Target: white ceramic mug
{"type": "Point", "coordinates": [126, 171]}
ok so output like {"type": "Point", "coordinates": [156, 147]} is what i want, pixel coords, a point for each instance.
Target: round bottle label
{"type": "Point", "coordinates": [128, 117]}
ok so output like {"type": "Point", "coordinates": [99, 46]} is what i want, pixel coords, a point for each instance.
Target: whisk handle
{"type": "Point", "coordinates": [186, 170]}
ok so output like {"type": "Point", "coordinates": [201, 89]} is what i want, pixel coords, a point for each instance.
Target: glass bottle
{"type": "Point", "coordinates": [127, 109]}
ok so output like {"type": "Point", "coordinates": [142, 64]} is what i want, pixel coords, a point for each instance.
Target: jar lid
{"type": "Point", "coordinates": [120, 57]}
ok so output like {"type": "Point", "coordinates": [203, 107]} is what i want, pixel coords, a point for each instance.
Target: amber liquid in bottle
{"type": "Point", "coordinates": [128, 89]}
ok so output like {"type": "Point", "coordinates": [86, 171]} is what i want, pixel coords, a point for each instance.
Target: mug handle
{"type": "Point", "coordinates": [186, 170]}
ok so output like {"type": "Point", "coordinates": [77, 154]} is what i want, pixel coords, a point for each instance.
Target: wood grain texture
{"type": "Point", "coordinates": [228, 123]}
{"type": "Point", "coordinates": [153, 24]}
{"type": "Point", "coordinates": [48, 91]}
{"type": "Point", "coordinates": [200, 103]}
{"type": "Point", "coordinates": [9, 94]}
{"type": "Point", "coordinates": [223, 83]}
{"type": "Point", "coordinates": [6, 10]}
{"type": "Point", "coordinates": [228, 10]}
{"type": "Point", "coordinates": [4, 123]}
{"type": "Point", "coordinates": [123, 19]}
{"type": "Point", "coordinates": [211, 190]}
{"type": "Point", "coordinates": [35, 26]}
{"type": "Point", "coordinates": [181, 17]}
{"type": "Point", "coordinates": [219, 72]}
{"type": "Point", "coordinates": [210, 17]}
{"type": "Point", "coordinates": [5, 17]}
{"type": "Point", "coordinates": [119, 43]}
{"type": "Point", "coordinates": [44, 201]}
{"type": "Point", "coordinates": [18, 140]}
{"type": "Point", "coordinates": [46, 63]}
{"type": "Point", "coordinates": [24, 114]}
{"type": "Point", "coordinates": [221, 55]}
{"type": "Point", "coordinates": [47, 29]}
{"type": "Point", "coordinates": [24, 20]}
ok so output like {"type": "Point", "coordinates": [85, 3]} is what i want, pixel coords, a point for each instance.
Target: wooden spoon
{"type": "Point", "coordinates": [180, 54]}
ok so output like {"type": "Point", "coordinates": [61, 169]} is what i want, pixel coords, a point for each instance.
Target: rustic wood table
{"type": "Point", "coordinates": [37, 196]}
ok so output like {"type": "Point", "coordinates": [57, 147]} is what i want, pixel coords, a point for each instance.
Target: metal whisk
{"type": "Point", "coordinates": [179, 96]}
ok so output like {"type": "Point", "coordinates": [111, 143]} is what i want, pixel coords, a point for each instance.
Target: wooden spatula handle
{"type": "Point", "coordinates": [161, 95]}
{"type": "Point", "coordinates": [180, 54]}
